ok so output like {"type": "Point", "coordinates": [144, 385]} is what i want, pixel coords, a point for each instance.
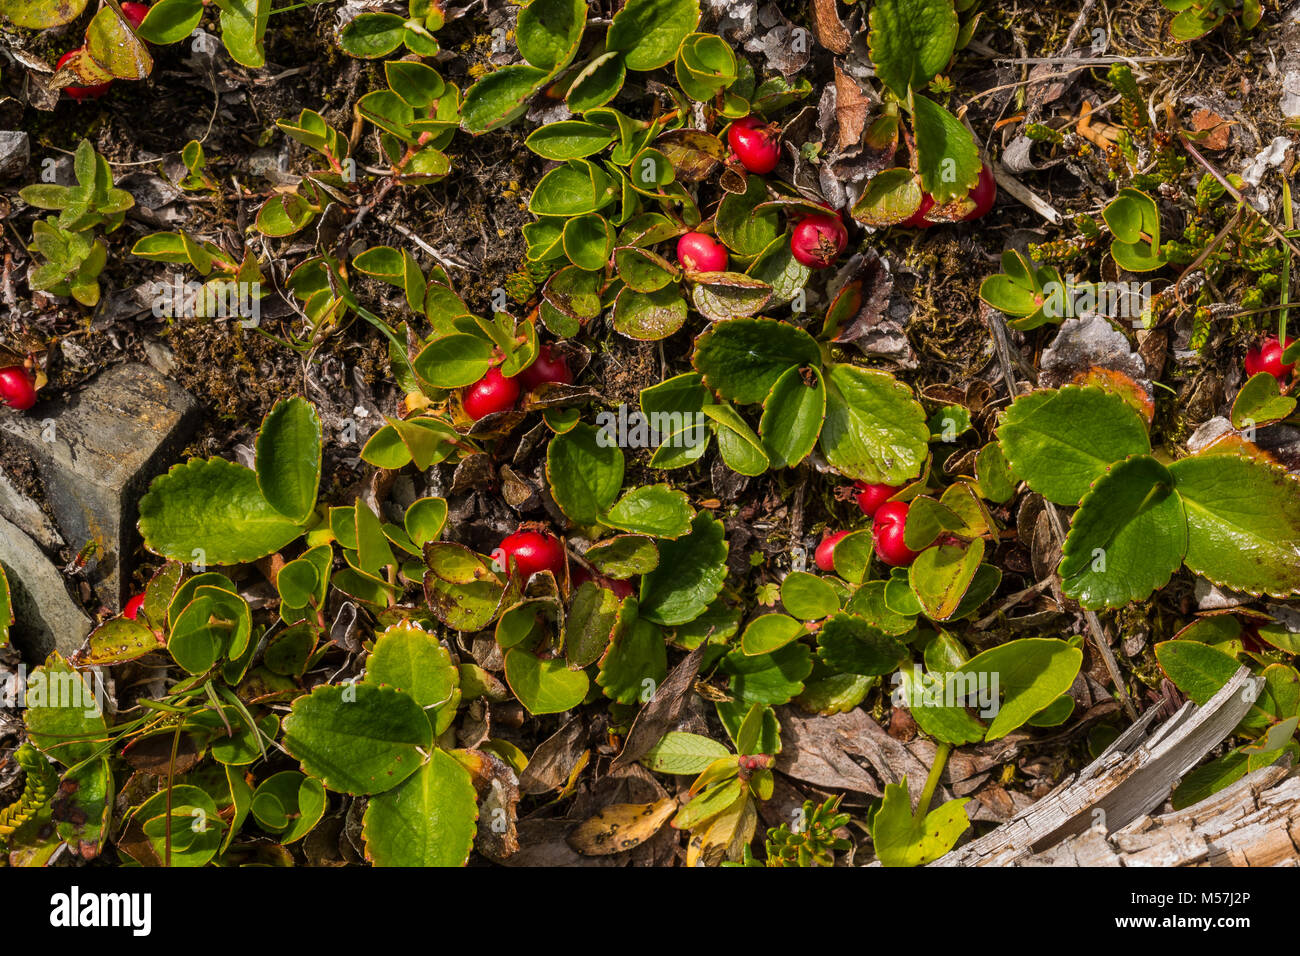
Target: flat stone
{"type": "Point", "coordinates": [15, 153]}
{"type": "Point", "coordinates": [27, 514]}
{"type": "Point", "coordinates": [45, 616]}
{"type": "Point", "coordinates": [96, 453]}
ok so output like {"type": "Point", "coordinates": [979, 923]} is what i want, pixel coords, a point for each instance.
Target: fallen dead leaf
{"type": "Point", "coordinates": [663, 710]}
{"type": "Point", "coordinates": [555, 757]}
{"type": "Point", "coordinates": [1217, 130]}
{"type": "Point", "coordinates": [621, 826]}
{"type": "Point", "coordinates": [852, 108]}
{"type": "Point", "coordinates": [829, 28]}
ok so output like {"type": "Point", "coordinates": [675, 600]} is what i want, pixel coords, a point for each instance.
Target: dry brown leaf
{"type": "Point", "coordinates": [852, 108]}
{"type": "Point", "coordinates": [829, 28]}
{"type": "Point", "coordinates": [1217, 129]}
{"type": "Point", "coordinates": [621, 826]}
{"type": "Point", "coordinates": [662, 712]}
{"type": "Point", "coordinates": [555, 757]}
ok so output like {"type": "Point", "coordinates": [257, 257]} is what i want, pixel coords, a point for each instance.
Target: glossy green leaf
{"type": "Point", "coordinates": [792, 416]}
{"type": "Point", "coordinates": [64, 717]}
{"type": "Point", "coordinates": [596, 83]}
{"type": "Point", "coordinates": [243, 30]}
{"type": "Point", "coordinates": [568, 139]}
{"type": "Point", "coordinates": [938, 702]}
{"type": "Point", "coordinates": [212, 512]}
{"type": "Point", "coordinates": [500, 97]}
{"type": "Point", "coordinates": [741, 228]}
{"type": "Point", "coordinates": [767, 679]}
{"type": "Point", "coordinates": [656, 510]}
{"type": "Point", "coordinates": [1060, 441]}
{"type": "Point", "coordinates": [289, 458]}
{"type": "Point", "coordinates": [649, 316]}
{"type": "Point", "coordinates": [941, 575]}
{"type": "Point", "coordinates": [769, 632]}
{"type": "Point", "coordinates": [547, 32]}
{"type": "Point", "coordinates": [574, 189]}
{"type": "Point", "coordinates": [1243, 522]}
{"type": "Point", "coordinates": [634, 664]}
{"type": "Point", "coordinates": [1030, 673]}
{"type": "Point", "coordinates": [413, 661]}
{"type": "Point", "coordinates": [901, 839]}
{"type": "Point", "coordinates": [1260, 403]}
{"type": "Point", "coordinates": [743, 359]}
{"type": "Point", "coordinates": [648, 32]}
{"type": "Point", "coordinates": [683, 754]}
{"type": "Point", "coordinates": [544, 686]}
{"type": "Point", "coordinates": [875, 431]}
{"type": "Point", "coordinates": [808, 597]}
{"type": "Point", "coordinates": [911, 41]}
{"type": "Point", "coordinates": [851, 645]}
{"type": "Point", "coordinates": [690, 574]}
{"type": "Point", "coordinates": [357, 738]}
{"type": "Point", "coordinates": [947, 157]}
{"type": "Point", "coordinates": [1127, 538]}
{"type": "Point", "coordinates": [454, 361]}
{"type": "Point", "coordinates": [429, 820]}
{"type": "Point", "coordinates": [585, 471]}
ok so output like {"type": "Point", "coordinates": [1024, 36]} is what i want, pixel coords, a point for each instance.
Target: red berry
{"type": "Point", "coordinates": [135, 13]}
{"type": "Point", "coordinates": [16, 388]}
{"type": "Point", "coordinates": [532, 551]}
{"type": "Point", "coordinates": [701, 253]}
{"type": "Point", "coordinates": [917, 220]}
{"type": "Point", "coordinates": [982, 194]}
{"type": "Point", "coordinates": [818, 240]}
{"type": "Point", "coordinates": [871, 497]}
{"type": "Point", "coordinates": [133, 606]}
{"type": "Point", "coordinates": [492, 393]}
{"type": "Point", "coordinates": [825, 555]}
{"type": "Point", "coordinates": [887, 532]}
{"type": "Point", "coordinates": [81, 92]}
{"type": "Point", "coordinates": [549, 366]}
{"type": "Point", "coordinates": [1267, 357]}
{"type": "Point", "coordinates": [754, 144]}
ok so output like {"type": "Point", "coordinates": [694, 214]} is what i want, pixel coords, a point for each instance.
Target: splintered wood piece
{"type": "Point", "coordinates": [1129, 780]}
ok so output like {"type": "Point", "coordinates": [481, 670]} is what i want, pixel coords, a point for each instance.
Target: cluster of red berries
{"type": "Point", "coordinates": [982, 194]}
{"type": "Point", "coordinates": [494, 392]}
{"type": "Point", "coordinates": [1267, 357]}
{"type": "Point", "coordinates": [889, 518]}
{"type": "Point", "coordinates": [135, 14]}
{"type": "Point", "coordinates": [16, 388]}
{"type": "Point", "coordinates": [817, 240]}
{"type": "Point", "coordinates": [750, 763]}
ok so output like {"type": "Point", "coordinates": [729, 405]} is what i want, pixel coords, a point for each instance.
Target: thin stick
{"type": "Point", "coordinates": [998, 328]}
{"type": "Point", "coordinates": [1094, 624]}
{"type": "Point", "coordinates": [1087, 60]}
{"type": "Point", "coordinates": [1232, 191]}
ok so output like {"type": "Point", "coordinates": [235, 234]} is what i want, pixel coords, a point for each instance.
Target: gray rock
{"type": "Point", "coordinates": [97, 453]}
{"type": "Point", "coordinates": [27, 514]}
{"type": "Point", "coordinates": [15, 153]}
{"type": "Point", "coordinates": [1089, 341]}
{"type": "Point", "coordinates": [45, 616]}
